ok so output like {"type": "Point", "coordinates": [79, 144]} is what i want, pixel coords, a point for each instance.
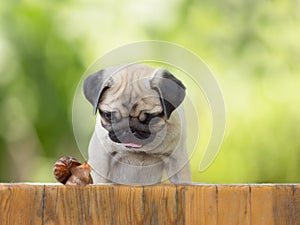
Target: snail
{"type": "Point", "coordinates": [69, 171]}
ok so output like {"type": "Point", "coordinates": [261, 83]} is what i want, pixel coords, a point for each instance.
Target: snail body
{"type": "Point", "coordinates": [80, 175]}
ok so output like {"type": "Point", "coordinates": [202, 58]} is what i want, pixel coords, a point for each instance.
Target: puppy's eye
{"type": "Point", "coordinates": [108, 116]}
{"type": "Point", "coordinates": [150, 116]}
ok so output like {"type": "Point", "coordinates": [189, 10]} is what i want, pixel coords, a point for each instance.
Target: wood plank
{"type": "Point", "coordinates": [172, 204]}
{"type": "Point", "coordinates": [163, 205]}
{"type": "Point", "coordinates": [180, 197]}
{"type": "Point", "coordinates": [122, 205]}
{"type": "Point", "coordinates": [21, 204]}
{"type": "Point", "coordinates": [296, 200]}
{"type": "Point", "coordinates": [102, 205]}
{"type": "Point", "coordinates": [137, 209]}
{"type": "Point", "coordinates": [154, 204]}
{"type": "Point", "coordinates": [201, 205]}
{"type": "Point", "coordinates": [283, 208]}
{"type": "Point", "coordinates": [262, 204]}
{"type": "Point", "coordinates": [274, 204]}
{"type": "Point", "coordinates": [234, 205]}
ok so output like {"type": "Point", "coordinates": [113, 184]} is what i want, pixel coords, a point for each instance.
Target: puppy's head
{"type": "Point", "coordinates": [134, 101]}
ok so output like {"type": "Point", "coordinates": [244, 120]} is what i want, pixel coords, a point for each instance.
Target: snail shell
{"type": "Point", "coordinates": [62, 168]}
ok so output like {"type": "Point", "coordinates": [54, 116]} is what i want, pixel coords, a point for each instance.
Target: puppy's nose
{"type": "Point", "coordinates": [133, 130]}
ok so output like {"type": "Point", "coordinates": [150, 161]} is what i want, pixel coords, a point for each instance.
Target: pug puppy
{"type": "Point", "coordinates": [138, 132]}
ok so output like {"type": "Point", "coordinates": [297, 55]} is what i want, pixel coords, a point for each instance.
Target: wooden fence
{"type": "Point", "coordinates": [22, 204]}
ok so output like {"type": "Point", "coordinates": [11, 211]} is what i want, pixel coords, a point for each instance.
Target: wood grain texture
{"type": "Point", "coordinates": [137, 205]}
{"type": "Point", "coordinates": [143, 205]}
{"type": "Point", "coordinates": [161, 205]}
{"type": "Point", "coordinates": [21, 204]}
{"type": "Point", "coordinates": [296, 200]}
{"type": "Point", "coordinates": [283, 205]}
{"type": "Point", "coordinates": [233, 205]}
{"type": "Point", "coordinates": [201, 205]}
{"type": "Point", "coordinates": [262, 205]}
{"type": "Point", "coordinates": [275, 205]}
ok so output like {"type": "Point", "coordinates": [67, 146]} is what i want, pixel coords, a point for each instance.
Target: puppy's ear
{"type": "Point", "coordinates": [170, 89]}
{"type": "Point", "coordinates": [94, 85]}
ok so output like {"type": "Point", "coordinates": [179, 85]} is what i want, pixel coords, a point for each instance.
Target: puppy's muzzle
{"type": "Point", "coordinates": [129, 136]}
{"type": "Point", "coordinates": [130, 130]}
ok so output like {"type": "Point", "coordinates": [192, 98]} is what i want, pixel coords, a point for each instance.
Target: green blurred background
{"type": "Point", "coordinates": [252, 47]}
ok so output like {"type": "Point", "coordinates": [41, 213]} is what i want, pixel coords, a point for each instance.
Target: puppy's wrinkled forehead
{"type": "Point", "coordinates": [130, 92]}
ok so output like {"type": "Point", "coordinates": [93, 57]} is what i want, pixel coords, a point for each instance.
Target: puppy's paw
{"type": "Point", "coordinates": [69, 171]}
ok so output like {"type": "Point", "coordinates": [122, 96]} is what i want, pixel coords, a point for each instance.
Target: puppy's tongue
{"type": "Point", "coordinates": [133, 145]}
